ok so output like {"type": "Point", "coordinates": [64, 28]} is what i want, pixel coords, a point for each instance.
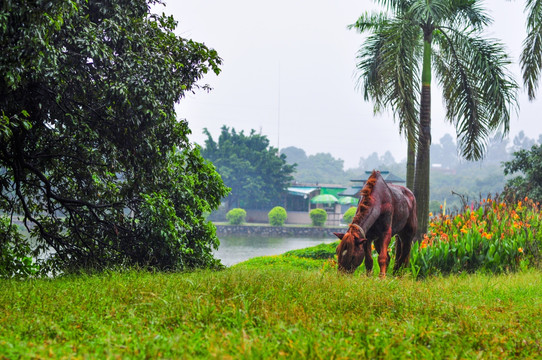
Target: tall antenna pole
{"type": "Point", "coordinates": [278, 114]}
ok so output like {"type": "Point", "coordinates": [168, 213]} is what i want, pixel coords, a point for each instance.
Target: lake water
{"type": "Point", "coordinates": [235, 249]}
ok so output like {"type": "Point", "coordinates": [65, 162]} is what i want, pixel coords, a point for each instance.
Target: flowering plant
{"type": "Point", "coordinates": [496, 237]}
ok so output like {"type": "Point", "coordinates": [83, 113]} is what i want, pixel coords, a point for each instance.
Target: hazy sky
{"type": "Point", "coordinates": [289, 72]}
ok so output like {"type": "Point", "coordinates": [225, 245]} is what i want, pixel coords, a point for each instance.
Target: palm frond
{"type": "Point", "coordinates": [478, 92]}
{"type": "Point", "coordinates": [430, 11]}
{"type": "Point", "coordinates": [389, 73]}
{"type": "Point", "coordinates": [531, 55]}
{"type": "Point", "coordinates": [369, 22]}
{"type": "Point", "coordinates": [469, 13]}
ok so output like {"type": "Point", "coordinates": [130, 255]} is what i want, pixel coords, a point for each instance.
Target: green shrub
{"type": "Point", "coordinates": [349, 215]}
{"type": "Point", "coordinates": [497, 237]}
{"type": "Point", "coordinates": [236, 216]}
{"type": "Point", "coordinates": [318, 217]}
{"type": "Point", "coordinates": [15, 259]}
{"type": "Point", "coordinates": [277, 216]}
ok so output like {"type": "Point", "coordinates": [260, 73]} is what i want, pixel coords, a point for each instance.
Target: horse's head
{"type": "Point", "coordinates": [350, 252]}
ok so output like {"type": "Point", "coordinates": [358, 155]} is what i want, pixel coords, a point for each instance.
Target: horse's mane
{"type": "Point", "coordinates": [366, 197]}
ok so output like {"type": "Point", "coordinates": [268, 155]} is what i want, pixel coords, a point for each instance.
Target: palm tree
{"type": "Point", "coordinates": [531, 55]}
{"type": "Point", "coordinates": [410, 40]}
{"type": "Point", "coordinates": [389, 75]}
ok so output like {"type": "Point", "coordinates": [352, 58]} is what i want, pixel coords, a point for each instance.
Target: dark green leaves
{"type": "Point", "coordinates": [529, 183]}
{"type": "Point", "coordinates": [92, 155]}
{"type": "Point", "coordinates": [256, 174]}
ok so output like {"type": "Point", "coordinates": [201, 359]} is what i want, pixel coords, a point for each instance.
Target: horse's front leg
{"type": "Point", "coordinates": [383, 256]}
{"type": "Point", "coordinates": [368, 257]}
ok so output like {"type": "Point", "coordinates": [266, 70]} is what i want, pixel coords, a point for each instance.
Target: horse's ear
{"type": "Point", "coordinates": [339, 235]}
{"type": "Point", "coordinates": [359, 241]}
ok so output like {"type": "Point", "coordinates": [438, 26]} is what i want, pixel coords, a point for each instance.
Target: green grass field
{"type": "Point", "coordinates": [271, 311]}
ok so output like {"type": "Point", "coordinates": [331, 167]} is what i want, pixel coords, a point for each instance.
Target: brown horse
{"type": "Point", "coordinates": [383, 211]}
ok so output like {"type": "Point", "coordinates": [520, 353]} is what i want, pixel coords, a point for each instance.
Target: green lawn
{"type": "Point", "coordinates": [271, 311]}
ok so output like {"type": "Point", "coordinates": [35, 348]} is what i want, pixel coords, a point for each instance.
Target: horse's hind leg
{"type": "Point", "coordinates": [402, 254]}
{"type": "Point", "coordinates": [398, 252]}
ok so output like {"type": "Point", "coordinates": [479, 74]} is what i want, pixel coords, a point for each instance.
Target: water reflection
{"type": "Point", "coordinates": [235, 249]}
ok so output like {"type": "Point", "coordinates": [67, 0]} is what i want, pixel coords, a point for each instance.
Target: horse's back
{"type": "Point", "coordinates": [402, 194]}
{"type": "Point", "coordinates": [404, 208]}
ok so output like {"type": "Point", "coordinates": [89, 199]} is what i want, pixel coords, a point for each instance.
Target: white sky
{"type": "Point", "coordinates": [289, 71]}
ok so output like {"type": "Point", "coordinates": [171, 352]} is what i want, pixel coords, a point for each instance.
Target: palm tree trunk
{"type": "Point", "coordinates": [411, 157]}
{"type": "Point", "coordinates": [423, 163]}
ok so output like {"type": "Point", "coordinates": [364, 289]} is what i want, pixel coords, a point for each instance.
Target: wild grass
{"type": "Point", "coordinates": [296, 305]}
{"type": "Point", "coordinates": [271, 312]}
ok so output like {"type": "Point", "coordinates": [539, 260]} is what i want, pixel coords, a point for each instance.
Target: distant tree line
{"type": "Point", "coordinates": [452, 179]}
{"type": "Point", "coordinates": [259, 176]}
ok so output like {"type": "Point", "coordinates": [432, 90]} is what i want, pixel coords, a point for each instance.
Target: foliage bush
{"type": "Point", "coordinates": [318, 217]}
{"type": "Point", "coordinates": [349, 215]}
{"type": "Point", "coordinates": [15, 258]}
{"type": "Point", "coordinates": [527, 163]}
{"type": "Point", "coordinates": [497, 237]}
{"type": "Point", "coordinates": [277, 216]}
{"type": "Point", "coordinates": [95, 158]}
{"type": "Point", "coordinates": [236, 216]}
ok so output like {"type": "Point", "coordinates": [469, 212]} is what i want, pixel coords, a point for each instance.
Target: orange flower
{"type": "Point", "coordinates": [520, 250]}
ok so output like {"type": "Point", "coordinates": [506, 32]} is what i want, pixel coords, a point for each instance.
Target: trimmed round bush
{"type": "Point", "coordinates": [236, 216]}
{"type": "Point", "coordinates": [277, 216]}
{"type": "Point", "coordinates": [349, 215]}
{"type": "Point", "coordinates": [318, 217]}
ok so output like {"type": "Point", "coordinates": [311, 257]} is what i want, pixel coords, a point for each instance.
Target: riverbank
{"type": "Point", "coordinates": [278, 231]}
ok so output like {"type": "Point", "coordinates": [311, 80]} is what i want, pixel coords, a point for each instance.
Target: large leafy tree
{"type": "Point", "coordinates": [91, 154]}
{"type": "Point", "coordinates": [415, 38]}
{"type": "Point", "coordinates": [528, 163]}
{"type": "Point", "coordinates": [257, 174]}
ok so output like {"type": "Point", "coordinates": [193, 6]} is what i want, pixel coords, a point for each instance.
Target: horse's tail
{"type": "Point", "coordinates": [404, 256]}
{"type": "Point", "coordinates": [403, 245]}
